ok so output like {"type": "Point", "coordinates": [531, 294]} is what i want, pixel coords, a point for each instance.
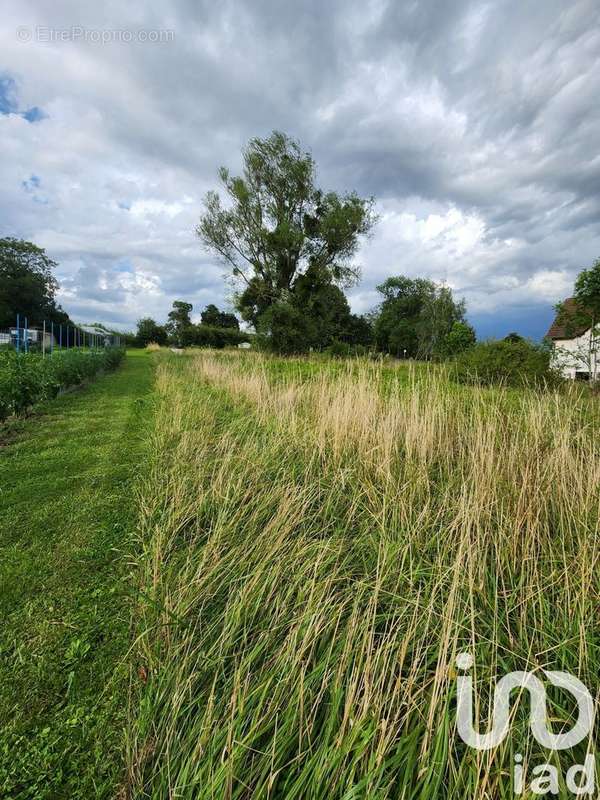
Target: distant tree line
{"type": "Point", "coordinates": [216, 329]}
{"type": "Point", "coordinates": [289, 246]}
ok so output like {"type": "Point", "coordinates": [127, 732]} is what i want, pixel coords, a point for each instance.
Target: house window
{"type": "Point", "coordinates": [582, 376]}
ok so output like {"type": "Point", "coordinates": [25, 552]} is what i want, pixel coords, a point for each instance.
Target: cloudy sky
{"type": "Point", "coordinates": [475, 125]}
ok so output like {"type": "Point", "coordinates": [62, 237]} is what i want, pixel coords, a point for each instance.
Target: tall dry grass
{"type": "Point", "coordinates": [316, 549]}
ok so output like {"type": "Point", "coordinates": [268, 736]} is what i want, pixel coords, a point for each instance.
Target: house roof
{"type": "Point", "coordinates": [564, 330]}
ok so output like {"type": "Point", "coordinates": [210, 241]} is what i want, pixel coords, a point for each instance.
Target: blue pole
{"type": "Point", "coordinates": [18, 324]}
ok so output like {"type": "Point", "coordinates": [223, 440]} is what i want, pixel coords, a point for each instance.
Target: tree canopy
{"type": "Point", "coordinates": [587, 291]}
{"type": "Point", "coordinates": [218, 319]}
{"type": "Point", "coordinates": [417, 317]}
{"type": "Point", "coordinates": [585, 312]}
{"type": "Point", "coordinates": [148, 331]}
{"type": "Point", "coordinates": [274, 224]}
{"type": "Point", "coordinates": [27, 284]}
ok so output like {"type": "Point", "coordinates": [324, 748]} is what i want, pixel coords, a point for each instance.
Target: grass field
{"type": "Point", "coordinates": [317, 543]}
{"type": "Point", "coordinates": [249, 577]}
{"type": "Point", "coordinates": [67, 518]}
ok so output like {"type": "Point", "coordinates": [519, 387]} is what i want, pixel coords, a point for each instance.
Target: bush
{"type": "Point", "coordinates": [508, 363]}
{"type": "Point", "coordinates": [27, 378]}
{"type": "Point", "coordinates": [339, 349]}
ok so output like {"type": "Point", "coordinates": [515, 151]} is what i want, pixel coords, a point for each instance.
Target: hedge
{"type": "Point", "coordinates": [27, 378]}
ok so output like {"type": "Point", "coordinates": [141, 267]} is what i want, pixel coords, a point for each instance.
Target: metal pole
{"type": "Point", "coordinates": [44, 339]}
{"type": "Point", "coordinates": [18, 335]}
{"type": "Point", "coordinates": [26, 337]}
{"type": "Point", "coordinates": [51, 337]}
{"type": "Point", "coordinates": [60, 335]}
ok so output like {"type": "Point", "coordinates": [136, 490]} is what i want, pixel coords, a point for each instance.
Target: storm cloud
{"type": "Point", "coordinates": [473, 124]}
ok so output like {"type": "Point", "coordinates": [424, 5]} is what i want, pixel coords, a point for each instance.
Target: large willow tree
{"type": "Point", "coordinates": [273, 224]}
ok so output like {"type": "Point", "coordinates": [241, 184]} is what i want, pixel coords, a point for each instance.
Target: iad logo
{"type": "Point", "coordinates": [580, 777]}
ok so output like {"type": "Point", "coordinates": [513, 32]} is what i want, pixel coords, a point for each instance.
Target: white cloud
{"type": "Point", "coordinates": [474, 124]}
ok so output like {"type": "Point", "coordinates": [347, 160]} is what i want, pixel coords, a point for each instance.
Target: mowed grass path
{"type": "Point", "coordinates": [67, 516]}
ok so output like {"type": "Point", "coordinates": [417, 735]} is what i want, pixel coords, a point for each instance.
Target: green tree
{"type": "Point", "coordinates": [148, 331]}
{"type": "Point", "coordinates": [284, 328]}
{"type": "Point", "coordinates": [398, 317]}
{"type": "Point", "coordinates": [324, 306]}
{"type": "Point", "coordinates": [218, 319]}
{"type": "Point", "coordinates": [584, 314]}
{"type": "Point", "coordinates": [439, 314]}
{"type": "Point", "coordinates": [27, 284]}
{"type": "Point", "coordinates": [587, 292]}
{"type": "Point", "coordinates": [210, 315]}
{"type": "Point", "coordinates": [513, 337]}
{"type": "Point", "coordinates": [458, 339]}
{"type": "Point", "coordinates": [276, 223]}
{"type": "Point", "coordinates": [359, 331]}
{"type": "Point", "coordinates": [179, 322]}
{"type": "Point", "coordinates": [415, 317]}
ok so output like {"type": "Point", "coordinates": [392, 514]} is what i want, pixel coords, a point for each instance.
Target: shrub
{"type": "Point", "coordinates": [508, 363]}
{"type": "Point", "coordinates": [27, 378]}
{"type": "Point", "coordinates": [339, 349]}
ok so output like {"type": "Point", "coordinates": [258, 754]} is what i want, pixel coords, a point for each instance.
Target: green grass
{"type": "Point", "coordinates": [286, 555]}
{"type": "Point", "coordinates": [318, 542]}
{"type": "Point", "coordinates": [67, 517]}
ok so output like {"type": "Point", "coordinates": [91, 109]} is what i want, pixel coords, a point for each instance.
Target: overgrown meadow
{"type": "Point", "coordinates": [318, 541]}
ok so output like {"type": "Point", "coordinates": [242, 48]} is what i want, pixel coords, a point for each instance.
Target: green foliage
{"type": "Point", "coordinates": [587, 290]}
{"type": "Point", "coordinates": [276, 224]}
{"type": "Point", "coordinates": [27, 284]}
{"type": "Point", "coordinates": [179, 321]}
{"type": "Point", "coordinates": [513, 337]}
{"type": "Point", "coordinates": [416, 317]}
{"type": "Point", "coordinates": [460, 337]}
{"type": "Point", "coordinates": [358, 331]}
{"type": "Point", "coordinates": [28, 378]}
{"type": "Point", "coordinates": [148, 331]}
{"type": "Point", "coordinates": [218, 319]}
{"type": "Point", "coordinates": [339, 349]}
{"type": "Point", "coordinates": [317, 314]}
{"type": "Point", "coordinates": [584, 312]}
{"type": "Point", "coordinates": [284, 328]}
{"type": "Point", "coordinates": [211, 336]}
{"type": "Point", "coordinates": [506, 363]}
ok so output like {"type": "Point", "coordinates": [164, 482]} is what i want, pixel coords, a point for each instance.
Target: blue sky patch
{"type": "Point", "coordinates": [34, 114]}
{"type": "Point", "coordinates": [8, 95]}
{"type": "Point", "coordinates": [9, 103]}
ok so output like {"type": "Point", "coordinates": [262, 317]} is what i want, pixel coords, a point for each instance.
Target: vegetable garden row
{"type": "Point", "coordinates": [29, 378]}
